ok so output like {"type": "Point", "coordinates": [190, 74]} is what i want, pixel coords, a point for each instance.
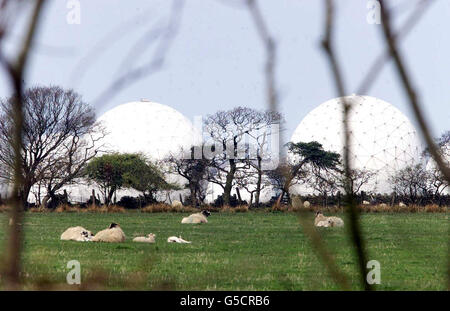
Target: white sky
{"type": "Point", "coordinates": [216, 61]}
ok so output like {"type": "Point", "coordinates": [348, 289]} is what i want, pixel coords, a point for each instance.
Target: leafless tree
{"type": "Point", "coordinates": [411, 182]}
{"type": "Point", "coordinates": [229, 133]}
{"type": "Point", "coordinates": [60, 136]}
{"type": "Point", "coordinates": [194, 170]}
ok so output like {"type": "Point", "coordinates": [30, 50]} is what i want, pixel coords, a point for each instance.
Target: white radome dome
{"type": "Point", "coordinates": [150, 128]}
{"type": "Point", "coordinates": [382, 138]}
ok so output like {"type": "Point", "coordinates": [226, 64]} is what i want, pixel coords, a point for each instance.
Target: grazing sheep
{"type": "Point", "coordinates": [77, 234]}
{"type": "Point", "coordinates": [196, 218]}
{"type": "Point", "coordinates": [176, 203]}
{"type": "Point", "coordinates": [174, 239]}
{"type": "Point", "coordinates": [327, 221]}
{"type": "Point", "coordinates": [150, 238]}
{"type": "Point", "coordinates": [113, 234]}
{"type": "Point", "coordinates": [306, 204]}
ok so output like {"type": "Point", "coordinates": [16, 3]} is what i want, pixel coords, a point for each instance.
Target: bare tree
{"type": "Point", "coordinates": [230, 152]}
{"type": "Point", "coordinates": [194, 170]}
{"type": "Point", "coordinates": [60, 136]}
{"type": "Point", "coordinates": [68, 166]}
{"type": "Point", "coordinates": [411, 182]}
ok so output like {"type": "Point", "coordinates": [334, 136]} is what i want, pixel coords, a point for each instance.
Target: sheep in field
{"type": "Point", "coordinates": [306, 204]}
{"type": "Point", "coordinates": [174, 239]}
{"type": "Point", "coordinates": [323, 223]}
{"type": "Point", "coordinates": [196, 218]}
{"type": "Point", "coordinates": [113, 234]}
{"type": "Point", "coordinates": [330, 221]}
{"type": "Point", "coordinates": [176, 203]}
{"type": "Point", "coordinates": [365, 202]}
{"type": "Point", "coordinates": [77, 234]}
{"type": "Point", "coordinates": [335, 221]}
{"type": "Point", "coordinates": [150, 238]}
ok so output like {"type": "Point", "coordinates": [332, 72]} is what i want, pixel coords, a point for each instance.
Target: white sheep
{"type": "Point", "coordinates": [331, 221]}
{"type": "Point", "coordinates": [335, 221]}
{"type": "Point", "coordinates": [401, 204]}
{"type": "Point", "coordinates": [365, 202]}
{"type": "Point", "coordinates": [306, 204]}
{"type": "Point", "coordinates": [113, 234]}
{"type": "Point", "coordinates": [150, 238]}
{"type": "Point", "coordinates": [323, 223]}
{"type": "Point", "coordinates": [77, 234]}
{"type": "Point", "coordinates": [176, 203]}
{"type": "Point", "coordinates": [174, 239]}
{"type": "Point", "coordinates": [196, 218]}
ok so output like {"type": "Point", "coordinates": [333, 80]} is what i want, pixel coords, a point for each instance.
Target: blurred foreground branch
{"type": "Point", "coordinates": [355, 229]}
{"type": "Point", "coordinates": [16, 71]}
{"type": "Point", "coordinates": [414, 101]}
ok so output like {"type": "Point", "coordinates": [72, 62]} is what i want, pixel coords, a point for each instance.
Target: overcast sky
{"type": "Point", "coordinates": [216, 59]}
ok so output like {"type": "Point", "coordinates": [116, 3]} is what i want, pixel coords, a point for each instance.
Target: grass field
{"type": "Point", "coordinates": [241, 251]}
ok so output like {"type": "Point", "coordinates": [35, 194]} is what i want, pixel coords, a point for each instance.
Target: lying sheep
{"type": "Point", "coordinates": [196, 218]}
{"type": "Point", "coordinates": [174, 239]}
{"type": "Point", "coordinates": [365, 202]}
{"type": "Point", "coordinates": [77, 234]}
{"type": "Point", "coordinates": [306, 204]}
{"type": "Point", "coordinates": [323, 223]}
{"type": "Point", "coordinates": [150, 238]}
{"type": "Point", "coordinates": [113, 234]}
{"type": "Point", "coordinates": [401, 204]}
{"type": "Point", "coordinates": [331, 221]}
{"type": "Point", "coordinates": [176, 203]}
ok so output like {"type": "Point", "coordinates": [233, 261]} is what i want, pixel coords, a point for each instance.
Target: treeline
{"type": "Point", "coordinates": [62, 146]}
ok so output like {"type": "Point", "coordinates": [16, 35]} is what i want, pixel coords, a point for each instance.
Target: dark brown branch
{"type": "Point", "coordinates": [412, 96]}
{"type": "Point", "coordinates": [358, 241]}
{"type": "Point", "coordinates": [405, 29]}
{"type": "Point", "coordinates": [16, 71]}
{"type": "Point", "coordinates": [156, 62]}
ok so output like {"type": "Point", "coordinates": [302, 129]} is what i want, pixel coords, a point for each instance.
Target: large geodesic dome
{"type": "Point", "coordinates": [150, 128]}
{"type": "Point", "coordinates": [383, 140]}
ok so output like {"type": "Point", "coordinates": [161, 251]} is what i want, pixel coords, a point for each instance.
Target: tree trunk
{"type": "Point", "coordinates": [193, 195]}
{"type": "Point", "coordinates": [258, 183]}
{"type": "Point", "coordinates": [45, 200]}
{"type": "Point", "coordinates": [239, 195]}
{"type": "Point", "coordinates": [229, 183]}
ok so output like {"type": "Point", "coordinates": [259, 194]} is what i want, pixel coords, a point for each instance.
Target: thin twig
{"type": "Point", "coordinates": [154, 65]}
{"type": "Point", "coordinates": [413, 98]}
{"type": "Point", "coordinates": [324, 255]}
{"type": "Point", "coordinates": [16, 71]}
{"type": "Point", "coordinates": [355, 229]}
{"type": "Point", "coordinates": [405, 29]}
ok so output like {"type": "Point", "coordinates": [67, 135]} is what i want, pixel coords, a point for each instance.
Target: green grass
{"type": "Point", "coordinates": [242, 251]}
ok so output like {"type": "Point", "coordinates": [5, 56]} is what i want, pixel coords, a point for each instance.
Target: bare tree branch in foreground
{"type": "Point", "coordinates": [382, 59]}
{"type": "Point", "coordinates": [16, 72]}
{"type": "Point", "coordinates": [355, 229]}
{"type": "Point", "coordinates": [157, 60]}
{"type": "Point", "coordinates": [413, 98]}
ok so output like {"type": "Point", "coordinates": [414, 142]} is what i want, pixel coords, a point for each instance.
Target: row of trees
{"type": "Point", "coordinates": [241, 151]}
